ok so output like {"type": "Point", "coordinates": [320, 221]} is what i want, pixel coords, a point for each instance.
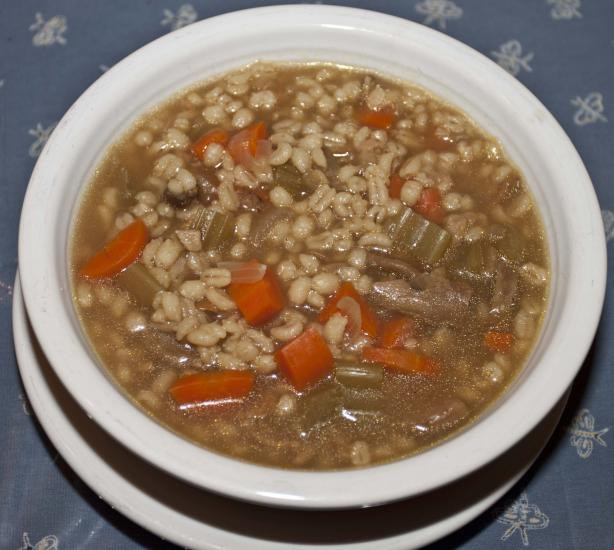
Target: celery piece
{"type": "Point", "coordinates": [320, 404]}
{"type": "Point", "coordinates": [288, 177]}
{"type": "Point", "coordinates": [216, 229]}
{"type": "Point", "coordinates": [360, 402]}
{"type": "Point", "coordinates": [141, 285]}
{"type": "Point", "coordinates": [358, 375]}
{"type": "Point", "coordinates": [416, 237]}
{"type": "Point", "coordinates": [471, 261]}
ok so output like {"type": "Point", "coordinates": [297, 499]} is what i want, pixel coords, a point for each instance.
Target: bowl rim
{"type": "Point", "coordinates": [45, 296]}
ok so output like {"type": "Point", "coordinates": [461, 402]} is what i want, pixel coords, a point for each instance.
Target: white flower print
{"type": "Point", "coordinates": [522, 517]}
{"type": "Point", "coordinates": [49, 32]}
{"type": "Point", "coordinates": [608, 224]}
{"type": "Point", "coordinates": [185, 15]}
{"type": "Point", "coordinates": [509, 56]}
{"type": "Point", "coordinates": [50, 542]}
{"type": "Point", "coordinates": [590, 109]}
{"type": "Point", "coordinates": [584, 435]}
{"type": "Point", "coordinates": [25, 404]}
{"type": "Point", "coordinates": [42, 135]}
{"type": "Point", "coordinates": [565, 9]}
{"type": "Point", "coordinates": [439, 11]}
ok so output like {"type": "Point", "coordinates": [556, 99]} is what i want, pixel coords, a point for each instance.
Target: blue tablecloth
{"type": "Point", "coordinates": [562, 50]}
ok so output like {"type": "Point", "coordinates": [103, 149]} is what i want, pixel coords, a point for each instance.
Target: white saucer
{"type": "Point", "coordinates": [191, 517]}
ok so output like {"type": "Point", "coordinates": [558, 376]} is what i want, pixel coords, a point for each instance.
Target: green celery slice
{"type": "Point", "coordinates": [415, 237]}
{"type": "Point", "coordinates": [362, 405]}
{"type": "Point", "coordinates": [320, 404]}
{"type": "Point", "coordinates": [216, 229]}
{"type": "Point", "coordinates": [358, 375]}
{"type": "Point", "coordinates": [288, 177]}
{"type": "Point", "coordinates": [471, 260]}
{"type": "Point", "coordinates": [141, 285]}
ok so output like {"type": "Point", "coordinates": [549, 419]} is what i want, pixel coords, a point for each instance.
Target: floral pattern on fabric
{"type": "Point", "coordinates": [49, 32]}
{"type": "Point", "coordinates": [522, 517]}
{"type": "Point", "coordinates": [50, 542]}
{"type": "Point", "coordinates": [590, 109]}
{"type": "Point", "coordinates": [583, 434]}
{"type": "Point", "coordinates": [509, 56]}
{"type": "Point", "coordinates": [565, 9]}
{"type": "Point", "coordinates": [439, 11]}
{"type": "Point", "coordinates": [186, 14]}
{"type": "Point", "coordinates": [42, 135]}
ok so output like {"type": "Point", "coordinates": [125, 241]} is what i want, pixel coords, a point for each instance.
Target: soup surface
{"type": "Point", "coordinates": [309, 266]}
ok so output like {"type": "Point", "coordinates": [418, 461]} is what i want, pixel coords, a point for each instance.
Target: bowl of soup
{"type": "Point", "coordinates": [312, 256]}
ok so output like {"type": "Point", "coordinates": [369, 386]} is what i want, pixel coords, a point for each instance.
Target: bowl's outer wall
{"type": "Point", "coordinates": [495, 100]}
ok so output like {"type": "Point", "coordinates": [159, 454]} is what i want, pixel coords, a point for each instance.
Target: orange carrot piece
{"type": "Point", "coordinates": [208, 388]}
{"type": "Point", "coordinates": [306, 359]}
{"type": "Point", "coordinates": [259, 302]}
{"type": "Point", "coordinates": [117, 254]}
{"type": "Point", "coordinates": [394, 332]}
{"type": "Point", "coordinates": [368, 321]}
{"type": "Point", "coordinates": [245, 142]}
{"type": "Point", "coordinates": [395, 185]}
{"type": "Point", "coordinates": [214, 136]}
{"type": "Point", "coordinates": [437, 142]}
{"type": "Point", "coordinates": [498, 341]}
{"type": "Point", "coordinates": [429, 205]}
{"type": "Point", "coordinates": [402, 360]}
{"type": "Point", "coordinates": [256, 132]}
{"type": "Point", "coordinates": [381, 119]}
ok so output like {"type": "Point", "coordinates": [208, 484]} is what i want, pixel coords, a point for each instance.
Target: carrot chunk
{"type": "Point", "coordinates": [260, 301]}
{"type": "Point", "coordinates": [429, 205]}
{"type": "Point", "coordinates": [256, 132]}
{"type": "Point", "coordinates": [208, 388]}
{"type": "Point", "coordinates": [395, 185]}
{"type": "Point", "coordinates": [436, 142]}
{"type": "Point", "coordinates": [117, 254]}
{"type": "Point", "coordinates": [306, 359]}
{"type": "Point", "coordinates": [381, 119]}
{"type": "Point", "coordinates": [498, 341]}
{"type": "Point", "coordinates": [395, 332]}
{"type": "Point", "coordinates": [214, 136]}
{"type": "Point", "coordinates": [402, 360]}
{"type": "Point", "coordinates": [245, 143]}
{"type": "Point", "coordinates": [368, 319]}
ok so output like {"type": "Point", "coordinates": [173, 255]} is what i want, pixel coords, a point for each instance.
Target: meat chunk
{"type": "Point", "coordinates": [437, 304]}
{"type": "Point", "coordinates": [392, 265]}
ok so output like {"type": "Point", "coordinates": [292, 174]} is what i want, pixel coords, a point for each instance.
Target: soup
{"type": "Point", "coordinates": [309, 266]}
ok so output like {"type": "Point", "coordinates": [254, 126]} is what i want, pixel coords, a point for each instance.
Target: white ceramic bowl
{"type": "Point", "coordinates": [498, 103]}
